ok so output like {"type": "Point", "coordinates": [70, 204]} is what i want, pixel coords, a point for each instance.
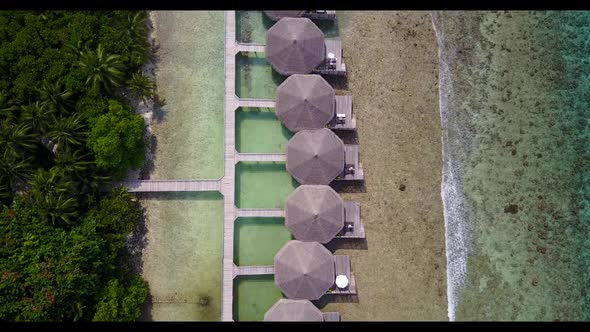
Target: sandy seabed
{"type": "Point", "coordinates": [392, 64]}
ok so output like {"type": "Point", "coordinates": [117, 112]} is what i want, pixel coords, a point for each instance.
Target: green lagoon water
{"type": "Point", "coordinates": [259, 130]}
{"type": "Point", "coordinates": [255, 78]}
{"type": "Point", "coordinates": [254, 75]}
{"type": "Point", "coordinates": [262, 185]}
{"type": "Point", "coordinates": [253, 296]}
{"type": "Point", "coordinates": [515, 97]}
{"type": "Point", "coordinates": [251, 26]}
{"type": "Point", "coordinates": [257, 240]}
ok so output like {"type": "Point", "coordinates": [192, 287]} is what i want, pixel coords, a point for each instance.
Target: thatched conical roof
{"type": "Point", "coordinates": [314, 213]}
{"type": "Point", "coordinates": [305, 102]}
{"type": "Point", "coordinates": [294, 46]}
{"type": "Point", "coordinates": [304, 270]}
{"type": "Point", "coordinates": [293, 310]}
{"type": "Point", "coordinates": [315, 156]}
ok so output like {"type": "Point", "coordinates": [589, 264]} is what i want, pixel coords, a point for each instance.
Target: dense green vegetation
{"type": "Point", "coordinates": [66, 131]}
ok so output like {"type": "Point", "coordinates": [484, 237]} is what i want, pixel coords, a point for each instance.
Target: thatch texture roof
{"type": "Point", "coordinates": [315, 156]}
{"type": "Point", "coordinates": [294, 46]}
{"type": "Point", "coordinates": [304, 270]}
{"type": "Point", "coordinates": [314, 213]}
{"type": "Point", "coordinates": [305, 102]}
{"type": "Point", "coordinates": [293, 310]}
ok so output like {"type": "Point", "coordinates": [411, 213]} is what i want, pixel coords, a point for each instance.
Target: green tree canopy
{"type": "Point", "coordinates": [116, 139]}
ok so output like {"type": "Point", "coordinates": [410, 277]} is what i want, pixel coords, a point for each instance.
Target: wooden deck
{"type": "Point", "coordinates": [250, 47]}
{"type": "Point", "coordinates": [329, 15]}
{"type": "Point", "coordinates": [351, 158]}
{"type": "Point", "coordinates": [228, 180]}
{"type": "Point", "coordinates": [342, 266]}
{"type": "Point", "coordinates": [331, 316]}
{"type": "Point", "coordinates": [170, 185]}
{"type": "Point", "coordinates": [261, 157]}
{"type": "Point", "coordinates": [264, 213]}
{"type": "Point", "coordinates": [343, 105]}
{"type": "Point", "coordinates": [333, 46]}
{"type": "Point", "coordinates": [254, 270]}
{"type": "Point", "coordinates": [352, 212]}
{"type": "Point", "coordinates": [256, 103]}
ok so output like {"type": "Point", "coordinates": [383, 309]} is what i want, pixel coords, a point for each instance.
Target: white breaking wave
{"type": "Point", "coordinates": [455, 149]}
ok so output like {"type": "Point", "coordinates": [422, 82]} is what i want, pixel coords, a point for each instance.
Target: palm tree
{"type": "Point", "coordinates": [141, 87]}
{"type": "Point", "coordinates": [101, 69]}
{"type": "Point", "coordinates": [72, 163]}
{"type": "Point", "coordinates": [68, 131]}
{"type": "Point", "coordinates": [52, 192]}
{"type": "Point", "coordinates": [16, 138]}
{"type": "Point", "coordinates": [13, 170]}
{"type": "Point", "coordinates": [58, 209]}
{"type": "Point", "coordinates": [55, 98]}
{"type": "Point", "coordinates": [7, 108]}
{"type": "Point", "coordinates": [93, 181]}
{"type": "Point", "coordinates": [53, 182]}
{"type": "Point", "coordinates": [135, 26]}
{"type": "Point", "coordinates": [136, 30]}
{"type": "Point", "coordinates": [38, 116]}
{"type": "Point", "coordinates": [4, 189]}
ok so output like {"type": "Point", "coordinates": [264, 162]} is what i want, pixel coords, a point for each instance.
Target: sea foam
{"type": "Point", "coordinates": [455, 149]}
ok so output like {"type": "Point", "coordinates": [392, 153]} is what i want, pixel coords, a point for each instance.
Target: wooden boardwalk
{"type": "Point", "coordinates": [170, 185]}
{"type": "Point", "coordinates": [228, 180]}
{"type": "Point", "coordinates": [250, 47]}
{"type": "Point", "coordinates": [263, 157]}
{"type": "Point", "coordinates": [256, 103]}
{"type": "Point", "coordinates": [264, 213]}
{"type": "Point", "coordinates": [254, 270]}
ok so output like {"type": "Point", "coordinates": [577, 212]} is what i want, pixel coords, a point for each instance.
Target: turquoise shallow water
{"type": "Point", "coordinates": [259, 130]}
{"type": "Point", "coordinates": [257, 240]}
{"type": "Point", "coordinates": [262, 185]}
{"type": "Point", "coordinates": [253, 296]}
{"type": "Point", "coordinates": [182, 260]}
{"type": "Point", "coordinates": [516, 141]}
{"type": "Point", "coordinates": [251, 26]}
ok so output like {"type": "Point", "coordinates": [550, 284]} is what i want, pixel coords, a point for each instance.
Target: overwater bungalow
{"type": "Point", "coordinates": [319, 157]}
{"type": "Point", "coordinates": [276, 15]}
{"type": "Point", "coordinates": [304, 270]}
{"type": "Point", "coordinates": [318, 213]}
{"type": "Point", "coordinates": [309, 102]}
{"type": "Point", "coordinates": [307, 271]}
{"type": "Point", "coordinates": [286, 310]}
{"type": "Point", "coordinates": [298, 46]}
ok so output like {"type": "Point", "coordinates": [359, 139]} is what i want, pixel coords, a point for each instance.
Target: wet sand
{"type": "Point", "coordinates": [392, 63]}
